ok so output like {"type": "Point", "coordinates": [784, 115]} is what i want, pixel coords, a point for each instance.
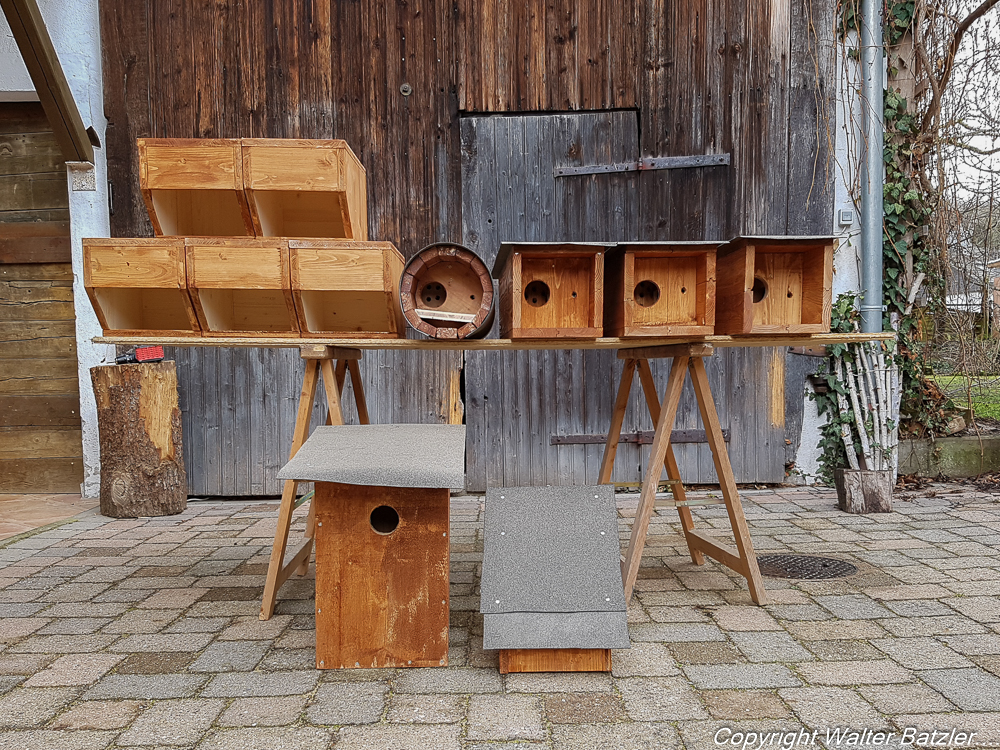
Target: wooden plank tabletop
{"type": "Point", "coordinates": [816, 339]}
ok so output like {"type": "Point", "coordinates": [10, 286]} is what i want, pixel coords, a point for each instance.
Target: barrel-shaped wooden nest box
{"type": "Point", "coordinates": [139, 286]}
{"type": "Point", "coordinates": [194, 187]}
{"type": "Point", "coordinates": [241, 286]}
{"type": "Point", "coordinates": [551, 289]}
{"type": "Point", "coordinates": [660, 289]}
{"type": "Point", "coordinates": [446, 292]}
{"type": "Point", "coordinates": [346, 289]}
{"type": "Point", "coordinates": [774, 285]}
{"type": "Point", "coordinates": [305, 188]}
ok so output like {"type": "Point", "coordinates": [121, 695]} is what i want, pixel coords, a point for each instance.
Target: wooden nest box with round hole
{"type": "Point", "coordinates": [446, 293]}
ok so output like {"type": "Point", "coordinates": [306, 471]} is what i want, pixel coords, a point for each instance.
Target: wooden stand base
{"type": "Point", "coordinates": [319, 358]}
{"type": "Point", "coordinates": [685, 357]}
{"type": "Point", "coordinates": [555, 660]}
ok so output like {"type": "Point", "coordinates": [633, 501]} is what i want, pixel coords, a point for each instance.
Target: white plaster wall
{"type": "Point", "coordinates": [847, 259]}
{"type": "Point", "coordinates": [75, 31]}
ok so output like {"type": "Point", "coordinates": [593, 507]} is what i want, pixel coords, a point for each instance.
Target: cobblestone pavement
{"type": "Point", "coordinates": [144, 634]}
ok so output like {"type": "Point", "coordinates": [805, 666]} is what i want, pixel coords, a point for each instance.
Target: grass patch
{"type": "Point", "coordinates": [981, 393]}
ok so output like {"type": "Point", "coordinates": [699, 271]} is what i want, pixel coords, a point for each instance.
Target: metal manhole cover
{"type": "Point", "coordinates": [808, 567]}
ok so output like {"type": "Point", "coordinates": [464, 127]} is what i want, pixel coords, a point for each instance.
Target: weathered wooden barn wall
{"type": "Point", "coordinates": [718, 76]}
{"type": "Point", "coordinates": [41, 448]}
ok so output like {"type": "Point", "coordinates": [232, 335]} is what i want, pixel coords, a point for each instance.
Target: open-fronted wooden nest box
{"type": "Point", "coordinates": [241, 286]}
{"type": "Point", "coordinates": [774, 285]}
{"type": "Point", "coordinates": [446, 292]}
{"type": "Point", "coordinates": [660, 289]}
{"type": "Point", "coordinates": [305, 189]}
{"type": "Point", "coordinates": [139, 286]}
{"type": "Point", "coordinates": [194, 187]}
{"type": "Point", "coordinates": [347, 289]}
{"type": "Point", "coordinates": [551, 289]}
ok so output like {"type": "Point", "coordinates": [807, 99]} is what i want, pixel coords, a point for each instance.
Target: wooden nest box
{"type": "Point", "coordinates": [193, 186]}
{"type": "Point", "coordinates": [305, 189]}
{"type": "Point", "coordinates": [241, 287]}
{"type": "Point", "coordinates": [139, 285]}
{"type": "Point", "coordinates": [774, 285]}
{"type": "Point", "coordinates": [347, 289]}
{"type": "Point", "coordinates": [446, 292]}
{"type": "Point", "coordinates": [660, 289]}
{"type": "Point", "coordinates": [551, 290]}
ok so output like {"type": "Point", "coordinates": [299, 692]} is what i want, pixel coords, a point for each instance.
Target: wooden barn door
{"type": "Point", "coordinates": [517, 402]}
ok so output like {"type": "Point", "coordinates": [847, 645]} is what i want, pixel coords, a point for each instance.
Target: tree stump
{"type": "Point", "coordinates": [864, 491]}
{"type": "Point", "coordinates": [142, 462]}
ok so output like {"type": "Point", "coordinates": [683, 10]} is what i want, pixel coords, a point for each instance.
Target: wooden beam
{"type": "Point", "coordinates": [667, 352]}
{"type": "Point", "coordinates": [47, 75]}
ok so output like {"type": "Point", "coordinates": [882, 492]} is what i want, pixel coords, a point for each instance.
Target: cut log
{"type": "Point", "coordinates": [142, 462]}
{"type": "Point", "coordinates": [864, 491]}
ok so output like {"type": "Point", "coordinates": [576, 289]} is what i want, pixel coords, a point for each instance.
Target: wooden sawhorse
{"type": "Point", "coordinates": [319, 360]}
{"type": "Point", "coordinates": [685, 357]}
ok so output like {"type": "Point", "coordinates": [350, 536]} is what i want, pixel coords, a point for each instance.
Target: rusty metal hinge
{"type": "Point", "coordinates": [650, 162]}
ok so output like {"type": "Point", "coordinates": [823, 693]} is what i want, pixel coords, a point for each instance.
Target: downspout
{"type": "Point", "coordinates": [872, 166]}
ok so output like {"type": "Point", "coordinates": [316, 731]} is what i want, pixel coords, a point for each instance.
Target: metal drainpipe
{"type": "Point", "coordinates": [872, 166]}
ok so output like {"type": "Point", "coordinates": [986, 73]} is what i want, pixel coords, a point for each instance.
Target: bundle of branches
{"type": "Point", "coordinates": [867, 392]}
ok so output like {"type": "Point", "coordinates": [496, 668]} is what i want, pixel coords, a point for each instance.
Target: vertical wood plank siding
{"type": "Point", "coordinates": [736, 76]}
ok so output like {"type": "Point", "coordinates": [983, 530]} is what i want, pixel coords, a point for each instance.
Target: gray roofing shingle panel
{"type": "Point", "coordinates": [556, 630]}
{"type": "Point", "coordinates": [551, 549]}
{"type": "Point", "coordinates": [385, 455]}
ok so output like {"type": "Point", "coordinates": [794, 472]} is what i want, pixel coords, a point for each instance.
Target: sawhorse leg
{"type": "Point", "coordinates": [319, 361]}
{"type": "Point", "coordinates": [742, 559]}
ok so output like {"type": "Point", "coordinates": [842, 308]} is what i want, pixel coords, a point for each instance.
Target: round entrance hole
{"type": "Point", "coordinates": [646, 293]}
{"type": "Point", "coordinates": [384, 520]}
{"type": "Point", "coordinates": [759, 289]}
{"type": "Point", "coordinates": [536, 293]}
{"type": "Point", "coordinates": [433, 294]}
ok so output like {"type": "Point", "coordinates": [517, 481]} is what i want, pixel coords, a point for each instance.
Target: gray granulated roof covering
{"type": "Point", "coordinates": [551, 573]}
{"type": "Point", "coordinates": [384, 455]}
{"type": "Point", "coordinates": [556, 630]}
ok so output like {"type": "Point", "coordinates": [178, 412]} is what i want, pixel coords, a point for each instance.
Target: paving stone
{"type": "Point", "coordinates": [897, 699]}
{"type": "Point", "coordinates": [843, 650]}
{"type": "Point", "coordinates": [55, 740]}
{"type": "Point", "coordinates": [176, 722]}
{"type": "Point", "coordinates": [768, 646]}
{"type": "Point", "coordinates": [230, 656]}
{"type": "Point", "coordinates": [104, 715]}
{"type": "Point", "coordinates": [198, 625]}
{"type": "Point", "coordinates": [921, 653]}
{"type": "Point", "coordinates": [973, 645]}
{"type": "Point", "coordinates": [63, 644]}
{"type": "Point", "coordinates": [985, 725]}
{"type": "Point", "coordinates": [348, 703]}
{"type": "Point", "coordinates": [460, 680]}
{"type": "Point", "coordinates": [289, 659]}
{"type": "Point", "coordinates": [821, 707]}
{"type": "Point", "coordinates": [969, 689]}
{"type": "Point", "coordinates": [75, 592]}
{"type": "Point", "coordinates": [74, 626]}
{"type": "Point", "coordinates": [919, 608]}
{"type": "Point", "coordinates": [276, 738]}
{"type": "Point", "coordinates": [25, 708]}
{"type": "Point", "coordinates": [667, 614]}
{"type": "Point", "coordinates": [264, 712]}
{"type": "Point", "coordinates": [744, 704]}
{"type": "Point", "coordinates": [881, 672]}
{"type": "Point", "coordinates": [853, 607]}
{"type": "Point", "coordinates": [979, 608]}
{"type": "Point", "coordinates": [744, 618]}
{"type": "Point", "coordinates": [172, 599]}
{"type": "Point", "coordinates": [709, 677]}
{"type": "Point", "coordinates": [675, 632]}
{"type": "Point", "coordinates": [426, 709]}
{"type": "Point", "coordinates": [146, 687]}
{"type": "Point", "coordinates": [660, 699]}
{"type": "Point", "coordinates": [175, 661]}
{"type": "Point", "coordinates": [260, 684]}
{"type": "Point", "coordinates": [74, 669]}
{"type": "Point", "coordinates": [24, 664]}
{"type": "Point", "coordinates": [143, 621]}
{"type": "Point", "coordinates": [577, 708]}
{"type": "Point", "coordinates": [705, 653]}
{"type": "Point", "coordinates": [504, 717]}
{"type": "Point", "coordinates": [15, 628]}
{"type": "Point", "coordinates": [659, 736]}
{"type": "Point", "coordinates": [559, 682]}
{"type": "Point", "coordinates": [247, 628]}
{"type": "Point", "coordinates": [390, 737]}
{"type": "Point", "coordinates": [644, 660]}
{"type": "Point", "coordinates": [159, 643]}
{"type": "Point", "coordinates": [849, 630]}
